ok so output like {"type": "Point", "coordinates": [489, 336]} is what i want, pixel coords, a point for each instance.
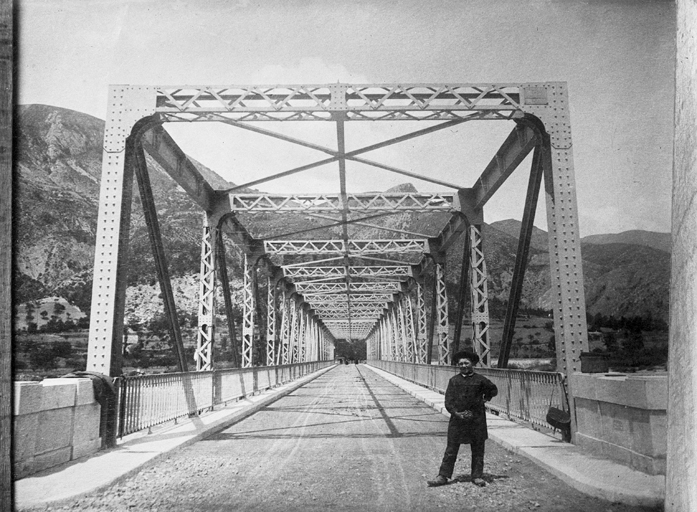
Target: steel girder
{"type": "Point", "coordinates": [442, 316]}
{"type": "Point", "coordinates": [393, 102]}
{"type": "Point", "coordinates": [302, 334]}
{"type": "Point", "coordinates": [206, 297]}
{"type": "Point", "coordinates": [410, 330]}
{"type": "Point", "coordinates": [342, 303]}
{"type": "Point", "coordinates": [353, 287]}
{"type": "Point", "coordinates": [515, 148]}
{"type": "Point", "coordinates": [479, 297]}
{"type": "Point", "coordinates": [295, 333]}
{"type": "Point", "coordinates": [351, 247]}
{"type": "Point", "coordinates": [521, 261]}
{"type": "Point", "coordinates": [286, 317]}
{"type": "Point", "coordinates": [153, 225]}
{"type": "Point", "coordinates": [157, 142]}
{"type": "Point", "coordinates": [422, 332]}
{"type": "Point", "coordinates": [365, 271]}
{"type": "Point", "coordinates": [395, 202]}
{"type": "Point", "coordinates": [340, 299]}
{"type": "Point", "coordinates": [545, 103]}
{"type": "Point", "coordinates": [248, 312]}
{"type": "Point", "coordinates": [407, 331]}
{"type": "Point", "coordinates": [271, 310]}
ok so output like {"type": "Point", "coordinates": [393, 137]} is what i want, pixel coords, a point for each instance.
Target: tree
{"type": "Point", "coordinates": [42, 357]}
{"type": "Point", "coordinates": [62, 349]}
{"type": "Point", "coordinates": [634, 342]}
{"type": "Point", "coordinates": [610, 340]}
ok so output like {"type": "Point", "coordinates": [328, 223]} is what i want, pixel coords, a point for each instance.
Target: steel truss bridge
{"type": "Point", "coordinates": [322, 283]}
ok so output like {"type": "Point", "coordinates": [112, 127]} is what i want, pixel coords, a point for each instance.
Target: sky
{"type": "Point", "coordinates": [617, 57]}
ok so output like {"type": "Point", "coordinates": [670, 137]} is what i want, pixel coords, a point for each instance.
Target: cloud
{"type": "Point", "coordinates": [308, 70]}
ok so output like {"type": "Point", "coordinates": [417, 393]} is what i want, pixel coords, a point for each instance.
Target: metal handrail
{"type": "Point", "coordinates": [523, 394]}
{"type": "Point", "coordinates": [145, 401]}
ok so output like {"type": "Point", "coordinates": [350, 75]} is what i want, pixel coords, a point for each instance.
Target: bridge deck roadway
{"type": "Point", "coordinates": [350, 438]}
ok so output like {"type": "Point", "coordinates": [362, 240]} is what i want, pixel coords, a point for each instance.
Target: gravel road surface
{"type": "Point", "coordinates": [347, 441]}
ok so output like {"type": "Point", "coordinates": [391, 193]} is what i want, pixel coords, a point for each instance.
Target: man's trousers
{"type": "Point", "coordinates": [450, 456]}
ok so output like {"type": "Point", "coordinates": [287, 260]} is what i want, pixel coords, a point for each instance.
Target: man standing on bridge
{"type": "Point", "coordinates": [464, 400]}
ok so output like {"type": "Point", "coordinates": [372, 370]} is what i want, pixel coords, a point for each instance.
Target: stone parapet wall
{"type": "Point", "coordinates": [55, 421]}
{"type": "Point", "coordinates": [623, 417]}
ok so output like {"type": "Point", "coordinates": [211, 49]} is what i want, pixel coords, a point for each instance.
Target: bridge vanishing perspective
{"type": "Point", "coordinates": [318, 281]}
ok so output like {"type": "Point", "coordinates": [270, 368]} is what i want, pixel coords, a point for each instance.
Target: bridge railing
{"type": "Point", "coordinates": [145, 401]}
{"type": "Point", "coordinates": [523, 394]}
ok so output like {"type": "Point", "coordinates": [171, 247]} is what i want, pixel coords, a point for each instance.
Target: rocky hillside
{"type": "Point", "coordinates": [58, 169]}
{"type": "Point", "coordinates": [625, 274]}
{"type": "Point", "coordinates": [58, 156]}
{"type": "Point", "coordinates": [658, 241]}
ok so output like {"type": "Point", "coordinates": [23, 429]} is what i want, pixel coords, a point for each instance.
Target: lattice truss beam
{"type": "Point", "coordinates": [325, 281]}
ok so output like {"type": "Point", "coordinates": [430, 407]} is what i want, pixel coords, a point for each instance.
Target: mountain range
{"type": "Point", "coordinates": [57, 173]}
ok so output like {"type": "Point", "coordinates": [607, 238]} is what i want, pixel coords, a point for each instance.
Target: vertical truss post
{"type": "Point", "coordinates": [384, 354]}
{"type": "Point", "coordinates": [227, 297]}
{"type": "Point", "coordinates": [125, 108]}
{"type": "Point", "coordinates": [270, 322]}
{"type": "Point", "coordinates": [158, 251]}
{"type": "Point", "coordinates": [206, 296]}
{"type": "Point", "coordinates": [521, 260]}
{"type": "Point", "coordinates": [302, 336]}
{"type": "Point", "coordinates": [110, 272]}
{"type": "Point", "coordinates": [442, 314]}
{"type": "Point", "coordinates": [311, 337]}
{"type": "Point", "coordinates": [294, 332]}
{"type": "Point", "coordinates": [462, 291]}
{"type": "Point", "coordinates": [409, 323]}
{"type": "Point", "coordinates": [316, 340]}
{"type": "Point", "coordinates": [480, 297]}
{"type": "Point", "coordinates": [285, 327]}
{"type": "Point", "coordinates": [550, 104]}
{"type": "Point", "coordinates": [248, 312]}
{"type": "Point", "coordinates": [433, 315]}
{"type": "Point", "coordinates": [421, 336]}
{"type": "Point", "coordinates": [394, 334]}
{"type": "Point", "coordinates": [565, 261]}
{"type": "Point", "coordinates": [401, 332]}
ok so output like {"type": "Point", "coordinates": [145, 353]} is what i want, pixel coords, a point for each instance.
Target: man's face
{"type": "Point", "coordinates": [465, 365]}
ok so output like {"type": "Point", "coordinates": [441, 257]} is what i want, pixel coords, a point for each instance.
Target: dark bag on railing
{"type": "Point", "coordinates": [558, 418]}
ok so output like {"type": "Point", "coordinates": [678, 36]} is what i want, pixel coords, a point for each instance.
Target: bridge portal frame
{"type": "Point", "coordinates": [136, 113]}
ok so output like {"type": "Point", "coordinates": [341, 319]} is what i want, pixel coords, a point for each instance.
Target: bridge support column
{"type": "Point", "coordinates": [421, 326]}
{"type": "Point", "coordinates": [125, 108]}
{"type": "Point", "coordinates": [681, 473]}
{"type": "Point", "coordinates": [248, 300]}
{"type": "Point", "coordinates": [442, 315]}
{"type": "Point", "coordinates": [270, 322]}
{"type": "Point", "coordinates": [110, 271]}
{"type": "Point", "coordinates": [409, 323]}
{"type": "Point", "coordinates": [401, 330]}
{"type": "Point", "coordinates": [285, 327]}
{"type": "Point", "coordinates": [302, 336]}
{"type": "Point", "coordinates": [294, 331]}
{"type": "Point", "coordinates": [206, 296]}
{"type": "Point", "coordinates": [480, 297]}
{"type": "Point", "coordinates": [227, 296]}
{"type": "Point", "coordinates": [551, 106]}
{"type": "Point", "coordinates": [159, 257]}
{"type": "Point", "coordinates": [394, 333]}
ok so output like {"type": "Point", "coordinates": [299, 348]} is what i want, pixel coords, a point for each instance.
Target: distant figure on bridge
{"type": "Point", "coordinates": [464, 400]}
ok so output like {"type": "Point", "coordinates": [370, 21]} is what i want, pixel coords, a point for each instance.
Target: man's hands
{"type": "Point", "coordinates": [465, 415]}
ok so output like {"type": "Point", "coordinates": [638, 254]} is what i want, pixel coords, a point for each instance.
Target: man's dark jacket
{"type": "Point", "coordinates": [468, 393]}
